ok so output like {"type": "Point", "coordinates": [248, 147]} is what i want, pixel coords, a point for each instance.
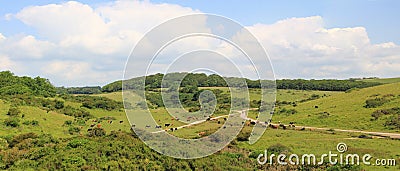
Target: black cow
{"type": "Point", "coordinates": [167, 125]}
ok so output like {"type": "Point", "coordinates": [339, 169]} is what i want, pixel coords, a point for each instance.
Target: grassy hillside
{"type": "Point", "coordinates": [382, 80]}
{"type": "Point", "coordinates": [345, 110]}
{"type": "Point", "coordinates": [92, 132]}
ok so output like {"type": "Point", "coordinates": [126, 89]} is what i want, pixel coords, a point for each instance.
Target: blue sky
{"type": "Point", "coordinates": [69, 42]}
{"type": "Point", "coordinates": [379, 17]}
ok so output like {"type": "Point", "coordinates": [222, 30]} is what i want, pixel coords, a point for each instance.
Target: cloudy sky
{"type": "Point", "coordinates": [77, 43]}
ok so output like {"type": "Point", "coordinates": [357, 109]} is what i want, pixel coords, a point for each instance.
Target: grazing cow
{"type": "Point", "coordinates": [224, 119]}
{"type": "Point", "coordinates": [208, 119]}
{"type": "Point", "coordinates": [90, 129]}
{"type": "Point", "coordinates": [98, 125]}
{"type": "Point", "coordinates": [147, 126]}
{"type": "Point", "coordinates": [172, 129]}
{"type": "Point", "coordinates": [167, 125]}
{"type": "Point", "coordinates": [316, 107]}
{"type": "Point", "coordinates": [219, 122]}
{"type": "Point", "coordinates": [302, 129]}
{"type": "Point", "coordinates": [176, 129]}
{"type": "Point", "coordinates": [273, 126]}
{"type": "Point", "coordinates": [121, 122]}
{"type": "Point", "coordinates": [110, 122]}
{"type": "Point", "coordinates": [133, 126]}
{"type": "Point", "coordinates": [252, 122]}
{"type": "Point", "coordinates": [284, 127]}
{"type": "Point", "coordinates": [92, 125]}
{"type": "Point", "coordinates": [224, 127]}
{"type": "Point", "coordinates": [158, 126]}
{"type": "Point", "coordinates": [202, 133]}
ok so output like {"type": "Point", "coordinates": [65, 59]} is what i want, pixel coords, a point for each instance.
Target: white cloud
{"type": "Point", "coordinates": [303, 47]}
{"type": "Point", "coordinates": [25, 47]}
{"type": "Point", "coordinates": [6, 63]}
{"type": "Point", "coordinates": [77, 44]}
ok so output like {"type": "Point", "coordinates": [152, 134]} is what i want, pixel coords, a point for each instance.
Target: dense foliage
{"type": "Point", "coordinates": [79, 90]}
{"type": "Point", "coordinates": [323, 85]}
{"type": "Point", "coordinates": [13, 85]}
{"type": "Point", "coordinates": [122, 151]}
{"type": "Point", "coordinates": [203, 80]}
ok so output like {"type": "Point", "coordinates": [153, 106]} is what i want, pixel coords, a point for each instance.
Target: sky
{"type": "Point", "coordinates": [79, 43]}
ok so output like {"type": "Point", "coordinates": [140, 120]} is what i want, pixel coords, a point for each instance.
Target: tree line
{"type": "Point", "coordinates": [203, 80]}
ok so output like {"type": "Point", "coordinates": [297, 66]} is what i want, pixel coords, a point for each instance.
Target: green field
{"type": "Point", "coordinates": [325, 109]}
{"type": "Point", "coordinates": [344, 110]}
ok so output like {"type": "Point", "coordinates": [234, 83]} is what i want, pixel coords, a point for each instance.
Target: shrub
{"type": "Point", "coordinates": [73, 130]}
{"type": "Point", "coordinates": [372, 103]}
{"type": "Point", "coordinates": [12, 122]}
{"type": "Point", "coordinates": [13, 111]}
{"type": "Point", "coordinates": [278, 148]}
{"type": "Point", "coordinates": [96, 132]}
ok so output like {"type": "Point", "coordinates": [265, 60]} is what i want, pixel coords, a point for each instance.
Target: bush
{"type": "Point", "coordinates": [372, 103]}
{"type": "Point", "coordinates": [73, 130]}
{"type": "Point", "coordinates": [96, 132]}
{"type": "Point", "coordinates": [12, 122]}
{"type": "Point", "coordinates": [68, 122]}
{"type": "Point", "coordinates": [32, 122]}
{"type": "Point", "coordinates": [13, 111]}
{"type": "Point", "coordinates": [19, 138]}
{"type": "Point", "coordinates": [278, 149]}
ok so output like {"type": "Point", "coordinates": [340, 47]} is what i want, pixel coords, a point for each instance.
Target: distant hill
{"type": "Point", "coordinates": [382, 80]}
{"type": "Point", "coordinates": [203, 80]}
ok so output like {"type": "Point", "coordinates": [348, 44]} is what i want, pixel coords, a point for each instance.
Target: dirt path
{"type": "Point", "coordinates": [242, 114]}
{"type": "Point", "coordinates": [379, 134]}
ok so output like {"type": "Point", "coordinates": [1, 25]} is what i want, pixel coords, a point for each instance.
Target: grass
{"type": "Point", "coordinates": [345, 110]}
{"type": "Point", "coordinates": [306, 142]}
{"type": "Point", "coordinates": [49, 123]}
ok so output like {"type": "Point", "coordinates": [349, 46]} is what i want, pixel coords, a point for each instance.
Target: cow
{"type": "Point", "coordinates": [92, 125]}
{"type": "Point", "coordinates": [90, 129]}
{"type": "Point", "coordinates": [121, 122]}
{"type": "Point", "coordinates": [224, 119]}
{"type": "Point", "coordinates": [202, 133]}
{"type": "Point", "coordinates": [219, 122]}
{"type": "Point", "coordinates": [302, 129]}
{"type": "Point", "coordinates": [147, 126]}
{"type": "Point", "coordinates": [273, 126]}
{"type": "Point", "coordinates": [167, 125]}
{"type": "Point", "coordinates": [172, 129]}
{"type": "Point", "coordinates": [316, 107]}
{"type": "Point", "coordinates": [176, 129]}
{"type": "Point", "coordinates": [158, 126]}
{"type": "Point", "coordinates": [252, 123]}
{"type": "Point", "coordinates": [110, 122]}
